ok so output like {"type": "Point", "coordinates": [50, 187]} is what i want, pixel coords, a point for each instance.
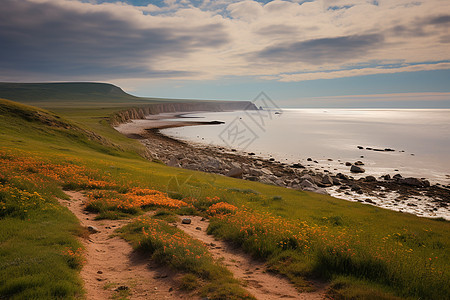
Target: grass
{"type": "Point", "coordinates": [170, 246]}
{"type": "Point", "coordinates": [302, 235]}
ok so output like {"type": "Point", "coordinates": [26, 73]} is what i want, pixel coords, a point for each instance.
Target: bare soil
{"type": "Point", "coordinates": [113, 268]}
{"type": "Point", "coordinates": [259, 282]}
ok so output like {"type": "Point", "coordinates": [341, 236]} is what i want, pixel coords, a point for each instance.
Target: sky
{"type": "Point", "coordinates": [313, 53]}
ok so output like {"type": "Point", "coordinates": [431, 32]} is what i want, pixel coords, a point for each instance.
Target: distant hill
{"type": "Point", "coordinates": [70, 91]}
{"type": "Point", "coordinates": [104, 95]}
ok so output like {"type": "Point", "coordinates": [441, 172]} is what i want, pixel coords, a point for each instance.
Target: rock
{"type": "Point", "coordinates": [307, 177]}
{"type": "Point", "coordinates": [307, 184]}
{"type": "Point", "coordinates": [318, 190]}
{"type": "Point", "coordinates": [254, 172]}
{"type": "Point", "coordinates": [198, 228]}
{"type": "Point", "coordinates": [180, 156]}
{"type": "Point", "coordinates": [93, 229]}
{"type": "Point", "coordinates": [360, 147]}
{"type": "Point", "coordinates": [193, 167]}
{"type": "Point", "coordinates": [173, 162]}
{"type": "Point", "coordinates": [357, 169]}
{"type": "Point", "coordinates": [348, 164]}
{"type": "Point", "coordinates": [411, 181]}
{"type": "Point", "coordinates": [266, 171]}
{"type": "Point", "coordinates": [368, 148]}
{"type": "Point", "coordinates": [271, 159]}
{"type": "Point", "coordinates": [336, 181]}
{"type": "Point", "coordinates": [297, 166]}
{"type": "Point", "coordinates": [386, 177]}
{"type": "Point", "coordinates": [186, 221]}
{"type": "Point", "coordinates": [389, 150]}
{"type": "Point", "coordinates": [327, 180]}
{"type": "Point", "coordinates": [355, 187]}
{"type": "Point", "coordinates": [359, 163]}
{"type": "Point", "coordinates": [369, 201]}
{"type": "Point", "coordinates": [370, 179]}
{"type": "Point", "coordinates": [122, 288]}
{"type": "Point", "coordinates": [309, 159]}
{"type": "Point", "coordinates": [251, 153]}
{"type": "Point", "coordinates": [235, 173]}
{"type": "Point", "coordinates": [379, 150]}
{"type": "Point", "coordinates": [397, 176]}
{"type": "Point", "coordinates": [342, 176]}
{"type": "Point", "coordinates": [213, 163]}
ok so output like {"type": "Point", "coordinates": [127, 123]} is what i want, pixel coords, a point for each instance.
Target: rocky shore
{"type": "Point", "coordinates": [409, 195]}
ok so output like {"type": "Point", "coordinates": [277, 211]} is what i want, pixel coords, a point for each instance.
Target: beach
{"type": "Point", "coordinates": [404, 194]}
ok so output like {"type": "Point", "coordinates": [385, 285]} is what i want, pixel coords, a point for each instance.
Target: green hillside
{"type": "Point", "coordinates": [72, 95]}
{"type": "Point", "coordinates": [362, 251]}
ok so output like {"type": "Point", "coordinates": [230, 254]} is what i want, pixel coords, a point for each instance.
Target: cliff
{"type": "Point", "coordinates": [172, 107]}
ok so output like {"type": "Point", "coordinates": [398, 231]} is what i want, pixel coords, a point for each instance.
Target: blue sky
{"type": "Point", "coordinates": [302, 53]}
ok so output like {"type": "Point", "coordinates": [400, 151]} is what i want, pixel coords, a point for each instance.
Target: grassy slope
{"type": "Point", "coordinates": [425, 237]}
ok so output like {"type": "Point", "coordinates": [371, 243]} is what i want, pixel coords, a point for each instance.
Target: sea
{"type": "Point", "coordinates": [410, 142]}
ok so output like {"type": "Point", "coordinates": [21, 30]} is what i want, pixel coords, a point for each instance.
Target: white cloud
{"type": "Point", "coordinates": [287, 40]}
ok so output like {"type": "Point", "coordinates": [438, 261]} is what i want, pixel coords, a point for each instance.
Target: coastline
{"type": "Point", "coordinates": [408, 195]}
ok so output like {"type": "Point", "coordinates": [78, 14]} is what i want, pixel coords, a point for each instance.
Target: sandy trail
{"type": "Point", "coordinates": [111, 262]}
{"type": "Point", "coordinates": [263, 285]}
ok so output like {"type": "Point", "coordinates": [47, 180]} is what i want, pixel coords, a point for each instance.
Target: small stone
{"type": "Point", "coordinates": [92, 229]}
{"type": "Point", "coordinates": [356, 169]}
{"type": "Point", "coordinates": [198, 228]}
{"type": "Point", "coordinates": [186, 221]}
{"type": "Point", "coordinates": [122, 288]}
{"type": "Point", "coordinates": [99, 272]}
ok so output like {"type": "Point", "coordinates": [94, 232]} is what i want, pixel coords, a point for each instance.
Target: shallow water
{"type": "Point", "coordinates": [329, 135]}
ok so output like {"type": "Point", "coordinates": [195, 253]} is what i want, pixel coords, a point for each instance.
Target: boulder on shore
{"type": "Point", "coordinates": [235, 173]}
{"type": "Point", "coordinates": [173, 162]}
{"type": "Point", "coordinates": [370, 179]}
{"type": "Point", "coordinates": [416, 182]}
{"type": "Point", "coordinates": [357, 169]}
{"type": "Point", "coordinates": [327, 180]}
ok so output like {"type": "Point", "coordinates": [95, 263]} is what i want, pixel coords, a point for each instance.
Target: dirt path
{"type": "Point", "coordinates": [111, 265]}
{"type": "Point", "coordinates": [263, 285]}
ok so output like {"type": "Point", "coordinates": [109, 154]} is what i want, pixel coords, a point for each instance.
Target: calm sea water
{"type": "Point", "coordinates": [331, 137]}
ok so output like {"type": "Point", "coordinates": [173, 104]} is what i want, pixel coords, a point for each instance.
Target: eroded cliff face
{"type": "Point", "coordinates": [157, 108]}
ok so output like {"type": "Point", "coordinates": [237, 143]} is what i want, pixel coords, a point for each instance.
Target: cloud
{"type": "Point", "coordinates": [287, 40]}
{"type": "Point", "coordinates": [323, 51]}
{"type": "Point", "coordinates": [362, 72]}
{"type": "Point", "coordinates": [70, 39]}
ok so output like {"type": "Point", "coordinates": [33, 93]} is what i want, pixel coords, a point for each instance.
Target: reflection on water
{"type": "Point", "coordinates": [322, 134]}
